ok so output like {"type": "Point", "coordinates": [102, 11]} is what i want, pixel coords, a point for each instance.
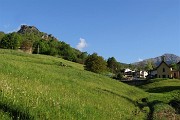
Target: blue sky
{"type": "Point", "coordinates": [129, 30]}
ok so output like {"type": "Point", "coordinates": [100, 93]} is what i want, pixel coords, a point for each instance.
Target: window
{"type": "Point", "coordinates": [164, 76]}
{"type": "Point", "coordinates": [163, 69]}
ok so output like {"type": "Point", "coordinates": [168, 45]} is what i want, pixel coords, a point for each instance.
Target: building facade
{"type": "Point", "coordinates": [164, 70]}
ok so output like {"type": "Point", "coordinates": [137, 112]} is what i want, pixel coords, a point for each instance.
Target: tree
{"type": "Point", "coordinates": [113, 65]}
{"type": "Point", "coordinates": [119, 76]}
{"type": "Point", "coordinates": [1, 35]}
{"type": "Point", "coordinates": [53, 47]}
{"type": "Point", "coordinates": [82, 57]}
{"type": "Point", "coordinates": [41, 47]}
{"type": "Point", "coordinates": [11, 41]}
{"type": "Point", "coordinates": [141, 66]}
{"type": "Point", "coordinates": [26, 46]}
{"type": "Point", "coordinates": [95, 63]}
{"type": "Point", "coordinates": [176, 66]}
{"type": "Point", "coordinates": [149, 65]}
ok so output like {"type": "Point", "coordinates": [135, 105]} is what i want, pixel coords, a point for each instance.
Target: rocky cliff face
{"type": "Point", "coordinates": [28, 29]}
{"type": "Point", "coordinates": [25, 29]}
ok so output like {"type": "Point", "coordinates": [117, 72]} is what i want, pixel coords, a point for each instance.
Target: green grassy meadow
{"type": "Point", "coordinates": [164, 98]}
{"type": "Point", "coordinates": [39, 87]}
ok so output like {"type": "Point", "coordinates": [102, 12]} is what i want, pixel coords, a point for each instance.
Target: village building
{"type": "Point", "coordinates": [128, 74]}
{"type": "Point", "coordinates": [166, 71]}
{"type": "Point", "coordinates": [141, 74]}
{"type": "Point", "coordinates": [176, 73]}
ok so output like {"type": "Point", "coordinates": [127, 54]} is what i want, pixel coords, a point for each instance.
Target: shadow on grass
{"type": "Point", "coordinates": [151, 81]}
{"type": "Point", "coordinates": [176, 105]}
{"type": "Point", "coordinates": [151, 107]}
{"type": "Point", "coordinates": [163, 89]}
{"type": "Point", "coordinates": [140, 104]}
{"type": "Point", "coordinates": [15, 113]}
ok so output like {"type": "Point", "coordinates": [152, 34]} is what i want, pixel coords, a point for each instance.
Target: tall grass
{"type": "Point", "coordinates": [39, 87]}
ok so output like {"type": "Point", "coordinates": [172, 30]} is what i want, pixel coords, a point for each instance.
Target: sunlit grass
{"type": "Point", "coordinates": [38, 87]}
{"type": "Point", "coordinates": [161, 94]}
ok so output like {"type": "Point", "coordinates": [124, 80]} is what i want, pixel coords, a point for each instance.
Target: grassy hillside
{"type": "Point", "coordinates": [44, 87]}
{"type": "Point", "coordinates": [164, 99]}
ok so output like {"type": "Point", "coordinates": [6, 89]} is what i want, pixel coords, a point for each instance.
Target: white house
{"type": "Point", "coordinates": [128, 73]}
{"type": "Point", "coordinates": [141, 74]}
{"type": "Point", "coordinates": [127, 70]}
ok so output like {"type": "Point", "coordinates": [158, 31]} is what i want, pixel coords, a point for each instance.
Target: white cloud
{"type": "Point", "coordinates": [139, 60]}
{"type": "Point", "coordinates": [82, 44]}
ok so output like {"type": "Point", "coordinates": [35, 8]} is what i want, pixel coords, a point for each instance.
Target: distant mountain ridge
{"type": "Point", "coordinates": [169, 59]}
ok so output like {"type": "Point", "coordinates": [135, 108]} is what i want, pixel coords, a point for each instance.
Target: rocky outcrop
{"type": "Point", "coordinates": [28, 29]}
{"type": "Point", "coordinates": [25, 29]}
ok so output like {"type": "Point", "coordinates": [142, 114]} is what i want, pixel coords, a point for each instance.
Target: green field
{"type": "Point", "coordinates": [44, 87]}
{"type": "Point", "coordinates": [164, 98]}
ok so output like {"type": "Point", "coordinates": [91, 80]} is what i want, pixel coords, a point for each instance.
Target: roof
{"type": "Point", "coordinates": [162, 63]}
{"type": "Point", "coordinates": [178, 63]}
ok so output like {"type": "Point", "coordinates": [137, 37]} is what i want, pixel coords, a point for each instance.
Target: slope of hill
{"type": "Point", "coordinates": [164, 98]}
{"type": "Point", "coordinates": [32, 40]}
{"type": "Point", "coordinates": [45, 87]}
{"type": "Point", "coordinates": [169, 58]}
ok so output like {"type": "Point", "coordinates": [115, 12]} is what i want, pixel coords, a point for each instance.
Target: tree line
{"type": "Point", "coordinates": [52, 46]}
{"type": "Point", "coordinates": [38, 45]}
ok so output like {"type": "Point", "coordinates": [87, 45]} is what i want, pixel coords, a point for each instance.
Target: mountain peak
{"type": "Point", "coordinates": [28, 29]}
{"type": "Point", "coordinates": [25, 29]}
{"type": "Point", "coordinates": [168, 58]}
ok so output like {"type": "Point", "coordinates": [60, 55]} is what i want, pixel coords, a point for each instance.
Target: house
{"type": "Point", "coordinates": [128, 73]}
{"type": "Point", "coordinates": [166, 71]}
{"type": "Point", "coordinates": [141, 74]}
{"type": "Point", "coordinates": [176, 73]}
